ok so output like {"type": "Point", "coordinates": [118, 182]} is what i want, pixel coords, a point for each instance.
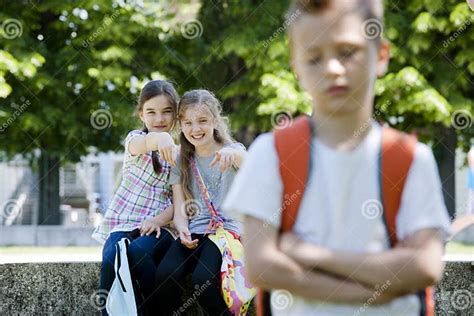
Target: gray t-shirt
{"type": "Point", "coordinates": [218, 184]}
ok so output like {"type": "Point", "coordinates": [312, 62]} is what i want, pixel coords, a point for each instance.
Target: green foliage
{"type": "Point", "coordinates": [431, 74]}
{"type": "Point", "coordinates": [99, 60]}
{"type": "Point", "coordinates": [71, 60]}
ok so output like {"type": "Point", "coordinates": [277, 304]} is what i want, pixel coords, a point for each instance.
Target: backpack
{"type": "Point", "coordinates": [121, 297]}
{"type": "Point", "coordinates": [293, 147]}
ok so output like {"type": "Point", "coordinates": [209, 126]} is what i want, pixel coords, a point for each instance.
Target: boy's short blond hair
{"type": "Point", "coordinates": [374, 8]}
{"type": "Point", "coordinates": [370, 9]}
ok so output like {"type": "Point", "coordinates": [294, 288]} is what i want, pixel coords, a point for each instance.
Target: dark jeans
{"type": "Point", "coordinates": [144, 255]}
{"type": "Point", "coordinates": [204, 265]}
{"type": "Point", "coordinates": [141, 251]}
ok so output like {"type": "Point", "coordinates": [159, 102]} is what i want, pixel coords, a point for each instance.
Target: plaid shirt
{"type": "Point", "coordinates": [142, 193]}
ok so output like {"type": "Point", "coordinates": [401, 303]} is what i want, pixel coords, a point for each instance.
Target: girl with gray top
{"type": "Point", "coordinates": [208, 149]}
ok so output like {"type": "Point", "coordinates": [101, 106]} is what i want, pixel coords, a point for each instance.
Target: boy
{"type": "Point", "coordinates": [337, 260]}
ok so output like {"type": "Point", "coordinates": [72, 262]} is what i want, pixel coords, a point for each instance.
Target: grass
{"type": "Point", "coordinates": [451, 248]}
{"type": "Point", "coordinates": [52, 250]}
{"type": "Point", "coordinates": [459, 248]}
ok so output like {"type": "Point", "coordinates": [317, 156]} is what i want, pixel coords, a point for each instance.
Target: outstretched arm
{"type": "Point", "coordinates": [229, 157]}
{"type": "Point", "coordinates": [239, 156]}
{"type": "Point", "coordinates": [162, 142]}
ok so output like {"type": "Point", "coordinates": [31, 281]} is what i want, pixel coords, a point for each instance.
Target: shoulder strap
{"type": "Point", "coordinates": [202, 187]}
{"type": "Point", "coordinates": [216, 219]}
{"type": "Point", "coordinates": [396, 156]}
{"type": "Point", "coordinates": [293, 147]}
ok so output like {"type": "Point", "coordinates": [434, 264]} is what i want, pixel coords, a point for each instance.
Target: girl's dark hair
{"type": "Point", "coordinates": [153, 89]}
{"type": "Point", "coordinates": [221, 134]}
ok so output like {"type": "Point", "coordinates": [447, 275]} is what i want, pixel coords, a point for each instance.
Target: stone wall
{"type": "Point", "coordinates": [70, 289]}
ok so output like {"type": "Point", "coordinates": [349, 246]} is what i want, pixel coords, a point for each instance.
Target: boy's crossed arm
{"type": "Point", "coordinates": [268, 267]}
{"type": "Point", "coordinates": [414, 264]}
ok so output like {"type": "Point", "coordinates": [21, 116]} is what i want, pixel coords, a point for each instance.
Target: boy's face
{"type": "Point", "coordinates": [334, 62]}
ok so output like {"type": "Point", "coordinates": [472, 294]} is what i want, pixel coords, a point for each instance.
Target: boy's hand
{"type": "Point", "coordinates": [225, 158]}
{"type": "Point", "coordinates": [149, 226]}
{"type": "Point", "coordinates": [166, 147]}
{"type": "Point", "coordinates": [185, 237]}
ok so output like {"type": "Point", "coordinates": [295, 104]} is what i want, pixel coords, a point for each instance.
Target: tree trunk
{"type": "Point", "coordinates": [445, 152]}
{"type": "Point", "coordinates": [49, 190]}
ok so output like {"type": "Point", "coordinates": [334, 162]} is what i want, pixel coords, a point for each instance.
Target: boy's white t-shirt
{"type": "Point", "coordinates": [341, 207]}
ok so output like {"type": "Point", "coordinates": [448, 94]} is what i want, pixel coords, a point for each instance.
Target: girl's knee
{"type": "Point", "coordinates": [108, 256]}
{"type": "Point", "coordinates": [148, 246]}
{"type": "Point", "coordinates": [135, 253]}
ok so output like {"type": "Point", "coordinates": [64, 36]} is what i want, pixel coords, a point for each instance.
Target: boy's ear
{"type": "Point", "coordinates": [383, 57]}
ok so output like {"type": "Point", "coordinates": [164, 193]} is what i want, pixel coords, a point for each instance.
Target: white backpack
{"type": "Point", "coordinates": [121, 298]}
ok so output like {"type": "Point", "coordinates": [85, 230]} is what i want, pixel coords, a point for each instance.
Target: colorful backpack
{"type": "Point", "coordinates": [293, 146]}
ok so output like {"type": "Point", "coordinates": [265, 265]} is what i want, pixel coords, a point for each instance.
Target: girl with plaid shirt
{"type": "Point", "coordinates": [141, 208]}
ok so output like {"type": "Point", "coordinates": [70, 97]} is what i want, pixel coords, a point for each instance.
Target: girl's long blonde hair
{"type": "Point", "coordinates": [194, 98]}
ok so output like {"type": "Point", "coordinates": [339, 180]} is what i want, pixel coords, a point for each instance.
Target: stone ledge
{"type": "Point", "coordinates": [48, 288]}
{"type": "Point", "coordinates": [67, 288]}
{"type": "Point", "coordinates": [455, 293]}
{"type": "Point", "coordinates": [53, 288]}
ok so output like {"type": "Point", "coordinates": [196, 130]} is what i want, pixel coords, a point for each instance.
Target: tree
{"type": "Point", "coordinates": [243, 56]}
{"type": "Point", "coordinates": [75, 73]}
{"type": "Point", "coordinates": [432, 42]}
{"type": "Point", "coordinates": [238, 49]}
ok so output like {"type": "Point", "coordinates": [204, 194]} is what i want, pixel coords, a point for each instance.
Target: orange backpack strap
{"type": "Point", "coordinates": [396, 157]}
{"type": "Point", "coordinates": [263, 305]}
{"type": "Point", "coordinates": [293, 147]}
